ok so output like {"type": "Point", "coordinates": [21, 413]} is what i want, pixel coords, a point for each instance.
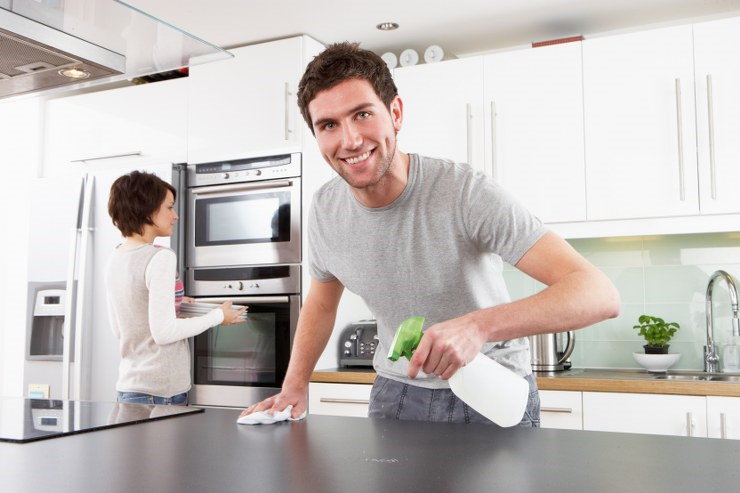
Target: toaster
{"type": "Point", "coordinates": [357, 343]}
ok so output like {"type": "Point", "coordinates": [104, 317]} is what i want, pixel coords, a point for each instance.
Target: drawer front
{"type": "Point", "coordinates": [339, 399]}
{"type": "Point", "coordinates": [561, 409]}
{"type": "Point", "coordinates": [657, 414]}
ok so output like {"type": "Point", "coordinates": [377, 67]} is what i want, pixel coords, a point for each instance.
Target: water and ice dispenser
{"type": "Point", "coordinates": [46, 339]}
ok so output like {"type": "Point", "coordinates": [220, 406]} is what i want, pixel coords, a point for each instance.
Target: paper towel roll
{"type": "Point", "coordinates": [390, 59]}
{"type": "Point", "coordinates": [409, 57]}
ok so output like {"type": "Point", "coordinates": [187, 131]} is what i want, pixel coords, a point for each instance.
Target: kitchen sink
{"type": "Point", "coordinates": [676, 375]}
{"type": "Point", "coordinates": [697, 377]}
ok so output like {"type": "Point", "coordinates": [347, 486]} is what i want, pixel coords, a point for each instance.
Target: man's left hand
{"type": "Point", "coordinates": [446, 347]}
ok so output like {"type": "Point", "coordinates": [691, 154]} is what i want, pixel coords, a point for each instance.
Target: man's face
{"type": "Point", "coordinates": [355, 131]}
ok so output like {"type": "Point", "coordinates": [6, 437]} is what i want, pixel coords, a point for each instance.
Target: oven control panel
{"type": "Point", "coordinates": [245, 170]}
{"type": "Point", "coordinates": [244, 280]}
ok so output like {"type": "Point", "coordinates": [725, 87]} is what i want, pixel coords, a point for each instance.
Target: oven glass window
{"type": "Point", "coordinates": [255, 352]}
{"type": "Point", "coordinates": [239, 219]}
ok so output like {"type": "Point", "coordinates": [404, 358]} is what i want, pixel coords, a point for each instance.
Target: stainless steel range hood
{"type": "Point", "coordinates": [53, 45]}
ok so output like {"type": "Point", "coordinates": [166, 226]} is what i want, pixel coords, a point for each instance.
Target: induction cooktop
{"type": "Point", "coordinates": [27, 420]}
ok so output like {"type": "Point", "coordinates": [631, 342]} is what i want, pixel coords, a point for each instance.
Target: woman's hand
{"type": "Point", "coordinates": [232, 316]}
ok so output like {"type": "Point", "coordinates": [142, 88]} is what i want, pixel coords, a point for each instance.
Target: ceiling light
{"type": "Point", "coordinates": [74, 73]}
{"type": "Point", "coordinates": [387, 26]}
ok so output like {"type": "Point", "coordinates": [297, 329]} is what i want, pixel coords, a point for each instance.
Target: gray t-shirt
{"type": "Point", "coordinates": [436, 251]}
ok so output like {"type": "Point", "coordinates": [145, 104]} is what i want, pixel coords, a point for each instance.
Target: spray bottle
{"type": "Point", "coordinates": [491, 389]}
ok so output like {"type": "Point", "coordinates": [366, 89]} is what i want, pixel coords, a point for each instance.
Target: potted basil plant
{"type": "Point", "coordinates": [657, 332]}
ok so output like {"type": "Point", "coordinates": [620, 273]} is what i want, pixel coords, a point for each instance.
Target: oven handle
{"type": "Point", "coordinates": [246, 300]}
{"type": "Point", "coordinates": [242, 186]}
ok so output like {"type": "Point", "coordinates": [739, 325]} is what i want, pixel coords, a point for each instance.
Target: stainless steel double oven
{"type": "Point", "coordinates": [244, 246]}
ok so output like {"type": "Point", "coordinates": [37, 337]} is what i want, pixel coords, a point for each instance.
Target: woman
{"type": "Point", "coordinates": [141, 283]}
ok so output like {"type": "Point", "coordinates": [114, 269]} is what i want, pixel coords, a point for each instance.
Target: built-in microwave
{"type": "Point", "coordinates": [245, 211]}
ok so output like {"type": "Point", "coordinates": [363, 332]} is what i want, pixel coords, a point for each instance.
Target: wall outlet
{"type": "Point", "coordinates": [38, 390]}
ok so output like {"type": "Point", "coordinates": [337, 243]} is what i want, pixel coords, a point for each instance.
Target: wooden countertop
{"type": "Point", "coordinates": [582, 380]}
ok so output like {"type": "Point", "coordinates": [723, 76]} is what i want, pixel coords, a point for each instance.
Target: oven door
{"type": "Point", "coordinates": [245, 223]}
{"type": "Point", "coordinates": [238, 365]}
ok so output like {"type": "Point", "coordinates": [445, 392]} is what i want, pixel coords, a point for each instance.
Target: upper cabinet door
{"type": "Point", "coordinates": [639, 124]}
{"type": "Point", "coordinates": [141, 124]}
{"type": "Point", "coordinates": [534, 130]}
{"type": "Point", "coordinates": [246, 106]}
{"type": "Point", "coordinates": [717, 52]}
{"type": "Point", "coordinates": [442, 110]}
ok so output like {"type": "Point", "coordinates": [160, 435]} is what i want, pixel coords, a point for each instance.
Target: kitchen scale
{"type": "Point", "coordinates": [28, 420]}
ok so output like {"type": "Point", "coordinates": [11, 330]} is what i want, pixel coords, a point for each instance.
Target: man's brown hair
{"type": "Point", "coordinates": [340, 62]}
{"type": "Point", "coordinates": [134, 198]}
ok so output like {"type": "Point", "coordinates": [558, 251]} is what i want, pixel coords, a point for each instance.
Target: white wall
{"type": "Point", "coordinates": [20, 156]}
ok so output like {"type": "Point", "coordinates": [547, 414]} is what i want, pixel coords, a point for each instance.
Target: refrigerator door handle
{"type": "Point", "coordinates": [81, 391]}
{"type": "Point", "coordinates": [70, 303]}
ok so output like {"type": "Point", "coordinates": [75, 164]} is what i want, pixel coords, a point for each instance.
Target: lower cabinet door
{"type": "Point", "coordinates": [339, 399]}
{"type": "Point", "coordinates": [561, 409]}
{"type": "Point", "coordinates": [723, 417]}
{"type": "Point", "coordinates": [645, 413]}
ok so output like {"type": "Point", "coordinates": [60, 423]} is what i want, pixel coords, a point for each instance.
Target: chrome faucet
{"type": "Point", "coordinates": [711, 358]}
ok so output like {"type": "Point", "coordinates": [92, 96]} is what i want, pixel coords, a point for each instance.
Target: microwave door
{"type": "Point", "coordinates": [257, 221]}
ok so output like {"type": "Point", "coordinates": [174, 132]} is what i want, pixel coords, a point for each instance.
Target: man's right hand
{"type": "Point", "coordinates": [297, 398]}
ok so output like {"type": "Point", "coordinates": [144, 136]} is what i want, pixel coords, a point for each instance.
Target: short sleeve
{"type": "Point", "coordinates": [317, 247]}
{"type": "Point", "coordinates": [496, 222]}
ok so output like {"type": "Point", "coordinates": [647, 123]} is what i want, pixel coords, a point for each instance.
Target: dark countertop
{"type": "Point", "coordinates": [209, 452]}
{"type": "Point", "coordinates": [588, 380]}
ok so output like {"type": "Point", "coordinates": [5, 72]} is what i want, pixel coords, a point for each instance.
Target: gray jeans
{"type": "Point", "coordinates": [390, 399]}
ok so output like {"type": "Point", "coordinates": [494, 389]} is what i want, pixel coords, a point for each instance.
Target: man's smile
{"type": "Point", "coordinates": [358, 159]}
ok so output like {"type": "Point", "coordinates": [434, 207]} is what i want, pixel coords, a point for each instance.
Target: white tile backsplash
{"type": "Point", "coordinates": [664, 276]}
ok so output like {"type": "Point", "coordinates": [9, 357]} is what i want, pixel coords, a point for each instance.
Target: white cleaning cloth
{"type": "Point", "coordinates": [268, 418]}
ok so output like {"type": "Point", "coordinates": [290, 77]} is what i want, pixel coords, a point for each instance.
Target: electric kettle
{"type": "Point", "coordinates": [544, 353]}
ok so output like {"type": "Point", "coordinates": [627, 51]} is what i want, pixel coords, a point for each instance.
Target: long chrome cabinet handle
{"type": "Point", "coordinates": [69, 311]}
{"type": "Point", "coordinates": [679, 123]}
{"type": "Point", "coordinates": [722, 425]}
{"type": "Point", "coordinates": [110, 156]}
{"type": "Point", "coordinates": [493, 141]}
{"type": "Point", "coordinates": [689, 425]}
{"type": "Point", "coordinates": [287, 112]}
{"type": "Point", "coordinates": [69, 307]}
{"type": "Point", "coordinates": [710, 117]}
{"type": "Point", "coordinates": [562, 410]}
{"type": "Point", "coordinates": [468, 134]}
{"type": "Point", "coordinates": [81, 330]}
{"type": "Point", "coordinates": [241, 187]}
{"type": "Point", "coordinates": [332, 400]}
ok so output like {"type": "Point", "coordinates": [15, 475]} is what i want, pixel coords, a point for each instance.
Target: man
{"type": "Point", "coordinates": [415, 236]}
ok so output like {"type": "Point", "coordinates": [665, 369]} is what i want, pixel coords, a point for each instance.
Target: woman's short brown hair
{"type": "Point", "coordinates": [340, 62]}
{"type": "Point", "coordinates": [134, 198]}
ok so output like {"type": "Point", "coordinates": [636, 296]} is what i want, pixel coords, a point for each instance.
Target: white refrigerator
{"type": "Point", "coordinates": [70, 351]}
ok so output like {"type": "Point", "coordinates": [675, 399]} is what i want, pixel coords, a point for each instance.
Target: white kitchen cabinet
{"type": "Point", "coordinates": [142, 124]}
{"type": "Point", "coordinates": [640, 125]}
{"type": "Point", "coordinates": [246, 106]}
{"type": "Point", "coordinates": [723, 417]}
{"type": "Point", "coordinates": [443, 111]}
{"type": "Point", "coordinates": [534, 128]}
{"type": "Point", "coordinates": [561, 409]}
{"type": "Point", "coordinates": [717, 53]}
{"type": "Point", "coordinates": [645, 413]}
{"type": "Point", "coordinates": [339, 399]}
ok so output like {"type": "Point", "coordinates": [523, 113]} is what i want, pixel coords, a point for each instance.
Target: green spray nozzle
{"type": "Point", "coordinates": [406, 339]}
